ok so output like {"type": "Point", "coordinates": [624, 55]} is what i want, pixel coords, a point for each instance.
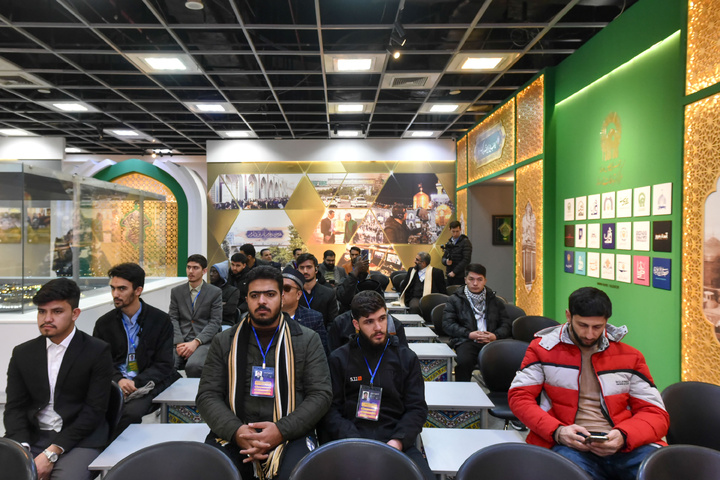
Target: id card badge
{"type": "Point", "coordinates": [132, 365]}
{"type": "Point", "coordinates": [262, 383]}
{"type": "Point", "coordinates": [369, 402]}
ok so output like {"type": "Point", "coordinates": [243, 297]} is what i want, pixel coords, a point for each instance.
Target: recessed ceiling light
{"type": "Point", "coordinates": [210, 107]}
{"type": "Point", "coordinates": [444, 108]}
{"type": "Point", "coordinates": [70, 107]}
{"type": "Point", "coordinates": [350, 107]}
{"type": "Point", "coordinates": [422, 133]}
{"type": "Point", "coordinates": [237, 134]}
{"type": "Point", "coordinates": [16, 132]}
{"type": "Point", "coordinates": [454, 92]}
{"type": "Point", "coordinates": [44, 90]}
{"type": "Point", "coordinates": [354, 64]}
{"type": "Point", "coordinates": [125, 133]}
{"type": "Point", "coordinates": [73, 150]}
{"type": "Point", "coordinates": [482, 63]}
{"type": "Point", "coordinates": [348, 133]}
{"type": "Point", "coordinates": [165, 63]}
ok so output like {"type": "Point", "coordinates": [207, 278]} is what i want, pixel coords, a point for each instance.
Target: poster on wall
{"type": "Point", "coordinates": [252, 191]}
{"type": "Point", "coordinates": [593, 264]}
{"type": "Point", "coordinates": [641, 269]}
{"type": "Point", "coordinates": [608, 205]}
{"type": "Point", "coordinates": [260, 228]}
{"type": "Point", "coordinates": [593, 235]}
{"type": "Point", "coordinates": [641, 236]}
{"type": "Point", "coordinates": [661, 273]}
{"type": "Point", "coordinates": [662, 199]}
{"type": "Point", "coordinates": [569, 235]}
{"type": "Point", "coordinates": [580, 235]}
{"type": "Point", "coordinates": [580, 263]}
{"type": "Point", "coordinates": [581, 208]}
{"type": "Point", "coordinates": [608, 236]}
{"type": "Point", "coordinates": [711, 258]}
{"type": "Point", "coordinates": [593, 207]}
{"type": "Point", "coordinates": [383, 259]}
{"type": "Point", "coordinates": [623, 203]}
{"type": "Point", "coordinates": [354, 190]}
{"type": "Point", "coordinates": [624, 235]}
{"type": "Point", "coordinates": [569, 209]}
{"type": "Point", "coordinates": [569, 261]}
{"type": "Point", "coordinates": [607, 266]}
{"type": "Point", "coordinates": [38, 225]}
{"type": "Point", "coordinates": [349, 226]}
{"type": "Point", "coordinates": [623, 268]}
{"type": "Point", "coordinates": [10, 225]}
{"type": "Point", "coordinates": [641, 201]}
{"type": "Point", "coordinates": [662, 236]}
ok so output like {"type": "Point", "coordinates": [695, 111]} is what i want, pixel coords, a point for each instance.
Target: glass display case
{"type": "Point", "coordinates": [54, 224]}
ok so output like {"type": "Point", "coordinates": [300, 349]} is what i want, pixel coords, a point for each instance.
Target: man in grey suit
{"type": "Point", "coordinates": [196, 314]}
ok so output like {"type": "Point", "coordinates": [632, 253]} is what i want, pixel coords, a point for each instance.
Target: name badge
{"type": "Point", "coordinates": [262, 383]}
{"type": "Point", "coordinates": [132, 363]}
{"type": "Point", "coordinates": [368, 405]}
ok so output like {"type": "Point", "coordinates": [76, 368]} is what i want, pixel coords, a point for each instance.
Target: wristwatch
{"type": "Point", "coordinates": [51, 456]}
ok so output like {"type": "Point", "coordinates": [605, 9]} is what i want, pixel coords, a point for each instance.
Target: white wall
{"type": "Point", "coordinates": [483, 203]}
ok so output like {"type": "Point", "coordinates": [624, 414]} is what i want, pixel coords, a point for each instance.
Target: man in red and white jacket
{"type": "Point", "coordinates": [598, 405]}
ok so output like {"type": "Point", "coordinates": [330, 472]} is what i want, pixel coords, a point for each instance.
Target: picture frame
{"type": "Point", "coordinates": [502, 230]}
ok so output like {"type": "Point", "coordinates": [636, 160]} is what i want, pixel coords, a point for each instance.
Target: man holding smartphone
{"type": "Point", "coordinates": [598, 404]}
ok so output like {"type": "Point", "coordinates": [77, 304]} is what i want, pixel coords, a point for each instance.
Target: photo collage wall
{"type": "Point", "coordinates": [621, 235]}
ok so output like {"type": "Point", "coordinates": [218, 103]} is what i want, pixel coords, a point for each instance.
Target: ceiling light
{"type": "Point", "coordinates": [421, 134]}
{"type": "Point", "coordinates": [210, 107]}
{"type": "Point", "coordinates": [237, 134]}
{"type": "Point", "coordinates": [444, 108]}
{"type": "Point", "coordinates": [354, 64]}
{"type": "Point", "coordinates": [125, 133]}
{"type": "Point", "coordinates": [487, 63]}
{"type": "Point", "coordinates": [348, 133]}
{"type": "Point", "coordinates": [165, 63]}
{"type": "Point", "coordinates": [454, 92]}
{"type": "Point", "coordinates": [15, 132]}
{"type": "Point", "coordinates": [194, 4]}
{"type": "Point", "coordinates": [73, 150]}
{"type": "Point", "coordinates": [44, 90]}
{"type": "Point", "coordinates": [70, 107]}
{"type": "Point", "coordinates": [350, 107]}
{"type": "Point", "coordinates": [396, 54]}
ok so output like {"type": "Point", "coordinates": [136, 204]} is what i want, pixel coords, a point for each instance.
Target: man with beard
{"type": "Point", "coordinates": [265, 385]}
{"type": "Point", "coordinates": [236, 277]}
{"type": "Point", "coordinates": [141, 344]}
{"type": "Point", "coordinates": [293, 282]}
{"type": "Point", "coordinates": [230, 295]}
{"type": "Point", "coordinates": [599, 406]}
{"type": "Point", "coordinates": [333, 276]}
{"type": "Point", "coordinates": [378, 389]}
{"type": "Point", "coordinates": [317, 297]}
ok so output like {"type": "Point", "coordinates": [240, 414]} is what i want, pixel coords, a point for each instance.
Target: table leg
{"type": "Point", "coordinates": [164, 414]}
{"type": "Point", "coordinates": [484, 418]}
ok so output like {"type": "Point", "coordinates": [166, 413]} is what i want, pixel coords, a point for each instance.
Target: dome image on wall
{"type": "Point", "coordinates": [252, 191]}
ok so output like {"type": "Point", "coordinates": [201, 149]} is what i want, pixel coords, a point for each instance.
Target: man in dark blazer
{"type": "Point", "coordinates": [421, 280]}
{"type": "Point", "coordinates": [315, 296]}
{"type": "Point", "coordinates": [58, 388]}
{"type": "Point", "coordinates": [141, 344]}
{"type": "Point", "coordinates": [196, 315]}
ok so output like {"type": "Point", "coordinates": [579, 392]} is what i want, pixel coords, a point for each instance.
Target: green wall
{"type": "Point", "coordinates": [623, 69]}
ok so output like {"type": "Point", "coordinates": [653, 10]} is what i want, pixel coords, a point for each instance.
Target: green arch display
{"type": "Point", "coordinates": [134, 165]}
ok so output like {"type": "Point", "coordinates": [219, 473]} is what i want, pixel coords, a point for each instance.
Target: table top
{"type": "Point", "coordinates": [409, 318]}
{"type": "Point", "coordinates": [138, 436]}
{"type": "Point", "coordinates": [182, 392]}
{"type": "Point", "coordinates": [432, 350]}
{"type": "Point", "coordinates": [392, 295]}
{"type": "Point", "coordinates": [447, 448]}
{"type": "Point", "coordinates": [456, 396]}
{"type": "Point", "coordinates": [419, 332]}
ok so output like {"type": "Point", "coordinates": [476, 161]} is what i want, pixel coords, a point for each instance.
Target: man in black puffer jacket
{"type": "Point", "coordinates": [457, 254]}
{"type": "Point", "coordinates": [474, 316]}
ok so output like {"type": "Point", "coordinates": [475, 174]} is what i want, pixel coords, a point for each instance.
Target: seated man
{"type": "Point", "coordinates": [421, 280]}
{"type": "Point", "coordinates": [474, 317]}
{"type": "Point", "coordinates": [333, 275]}
{"type": "Point", "coordinates": [293, 282]}
{"type": "Point", "coordinates": [236, 277]}
{"type": "Point", "coordinates": [230, 295]}
{"type": "Point", "coordinates": [378, 390]}
{"type": "Point", "coordinates": [58, 387]}
{"type": "Point", "coordinates": [354, 255]}
{"type": "Point", "coordinates": [265, 384]}
{"type": "Point", "coordinates": [590, 384]}
{"type": "Point", "coordinates": [140, 338]}
{"type": "Point", "coordinates": [315, 296]}
{"type": "Point", "coordinates": [342, 330]}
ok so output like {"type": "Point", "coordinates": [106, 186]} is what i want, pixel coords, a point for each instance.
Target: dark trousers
{"type": "Point", "coordinates": [133, 411]}
{"type": "Point", "coordinates": [414, 306]}
{"type": "Point", "coordinates": [456, 280]}
{"type": "Point", "coordinates": [418, 459]}
{"type": "Point", "coordinates": [72, 465]}
{"type": "Point", "coordinates": [467, 355]}
{"type": "Point", "coordinates": [619, 466]}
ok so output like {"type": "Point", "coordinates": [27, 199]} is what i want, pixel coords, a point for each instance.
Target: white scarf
{"type": "Point", "coordinates": [427, 285]}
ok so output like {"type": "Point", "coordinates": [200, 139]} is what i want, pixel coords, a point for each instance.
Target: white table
{"type": "Point", "coordinates": [435, 360]}
{"type": "Point", "coordinates": [395, 307]}
{"type": "Point", "coordinates": [391, 296]}
{"type": "Point", "coordinates": [182, 392]}
{"type": "Point", "coordinates": [447, 448]}
{"type": "Point", "coordinates": [450, 402]}
{"type": "Point", "coordinates": [138, 436]}
{"type": "Point", "coordinates": [420, 334]}
{"type": "Point", "coordinates": [409, 319]}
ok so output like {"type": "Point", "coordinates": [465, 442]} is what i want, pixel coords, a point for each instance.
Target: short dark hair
{"type": "Point", "coordinates": [296, 249]}
{"type": "Point", "coordinates": [305, 257]}
{"type": "Point", "coordinates": [331, 212]}
{"type": "Point", "coordinates": [328, 253]}
{"type": "Point", "coordinates": [357, 249]}
{"type": "Point", "coordinates": [132, 272]}
{"type": "Point", "coordinates": [248, 250]}
{"type": "Point", "coordinates": [58, 289]}
{"type": "Point", "coordinates": [199, 259]}
{"type": "Point", "coordinates": [366, 303]}
{"type": "Point", "coordinates": [424, 257]}
{"type": "Point", "coordinates": [239, 257]}
{"type": "Point", "coordinates": [265, 272]}
{"type": "Point", "coordinates": [590, 302]}
{"type": "Point", "coordinates": [264, 250]}
{"type": "Point", "coordinates": [454, 224]}
{"type": "Point", "coordinates": [476, 268]}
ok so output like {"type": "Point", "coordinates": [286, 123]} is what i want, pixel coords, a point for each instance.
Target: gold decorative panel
{"type": "Point", "coordinates": [700, 346]}
{"type": "Point", "coordinates": [461, 212]}
{"type": "Point", "coordinates": [703, 47]}
{"type": "Point", "coordinates": [491, 145]}
{"type": "Point", "coordinates": [529, 238]}
{"type": "Point", "coordinates": [462, 158]}
{"type": "Point", "coordinates": [530, 120]}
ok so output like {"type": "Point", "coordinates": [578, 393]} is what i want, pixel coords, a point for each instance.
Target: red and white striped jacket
{"type": "Point", "coordinates": [551, 371]}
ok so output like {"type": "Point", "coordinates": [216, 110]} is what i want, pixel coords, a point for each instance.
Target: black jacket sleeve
{"type": "Point", "coordinates": [411, 423]}
{"type": "Point", "coordinates": [334, 424]}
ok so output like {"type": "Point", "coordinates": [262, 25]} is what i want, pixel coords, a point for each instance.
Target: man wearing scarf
{"type": "Point", "coordinates": [421, 280]}
{"type": "Point", "coordinates": [265, 385]}
{"type": "Point", "coordinates": [474, 317]}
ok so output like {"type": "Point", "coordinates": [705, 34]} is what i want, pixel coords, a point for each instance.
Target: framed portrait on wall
{"type": "Point", "coordinates": [502, 229]}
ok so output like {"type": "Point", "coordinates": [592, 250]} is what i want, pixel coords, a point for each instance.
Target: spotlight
{"type": "Point", "coordinates": [194, 4]}
{"type": "Point", "coordinates": [396, 54]}
{"type": "Point", "coordinates": [398, 34]}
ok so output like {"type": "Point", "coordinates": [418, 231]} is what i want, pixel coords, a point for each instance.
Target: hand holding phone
{"type": "Point", "coordinates": [365, 254]}
{"type": "Point", "coordinates": [596, 438]}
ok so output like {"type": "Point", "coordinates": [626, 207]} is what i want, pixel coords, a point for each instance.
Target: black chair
{"type": "Point", "coordinates": [397, 278]}
{"type": "Point", "coordinates": [454, 288]}
{"type": "Point", "coordinates": [17, 463]}
{"type": "Point", "coordinates": [356, 459]}
{"type": "Point", "coordinates": [524, 328]}
{"type": "Point", "coordinates": [176, 460]}
{"type": "Point", "coordinates": [382, 279]}
{"type": "Point", "coordinates": [681, 461]}
{"type": "Point", "coordinates": [437, 316]}
{"type": "Point", "coordinates": [514, 311]}
{"type": "Point", "coordinates": [519, 460]}
{"type": "Point", "coordinates": [428, 302]}
{"type": "Point", "coordinates": [499, 362]}
{"type": "Point", "coordinates": [694, 414]}
{"type": "Point", "coordinates": [115, 408]}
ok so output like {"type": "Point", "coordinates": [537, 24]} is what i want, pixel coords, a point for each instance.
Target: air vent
{"type": "Point", "coordinates": [21, 80]}
{"type": "Point", "coordinates": [410, 81]}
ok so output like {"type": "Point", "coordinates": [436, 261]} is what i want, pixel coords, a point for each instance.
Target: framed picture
{"type": "Point", "coordinates": [502, 228]}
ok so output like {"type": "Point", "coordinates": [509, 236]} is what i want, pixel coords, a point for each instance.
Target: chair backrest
{"type": "Point", "coordinates": [382, 279]}
{"type": "Point", "coordinates": [519, 460]}
{"type": "Point", "coordinates": [365, 458]}
{"type": "Point", "coordinates": [694, 414]}
{"type": "Point", "coordinates": [514, 311]}
{"type": "Point", "coordinates": [397, 278]}
{"type": "Point", "coordinates": [430, 301]}
{"type": "Point", "coordinates": [454, 288]}
{"type": "Point", "coordinates": [525, 327]}
{"type": "Point", "coordinates": [115, 408]}
{"type": "Point", "coordinates": [17, 463]}
{"type": "Point", "coordinates": [437, 316]}
{"type": "Point", "coordinates": [175, 460]}
{"type": "Point", "coordinates": [681, 461]}
{"type": "Point", "coordinates": [499, 362]}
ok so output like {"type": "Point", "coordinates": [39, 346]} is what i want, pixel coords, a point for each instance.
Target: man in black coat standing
{"type": "Point", "coordinates": [457, 254]}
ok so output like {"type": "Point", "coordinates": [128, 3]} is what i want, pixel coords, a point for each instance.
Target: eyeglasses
{"type": "Point", "coordinates": [289, 288]}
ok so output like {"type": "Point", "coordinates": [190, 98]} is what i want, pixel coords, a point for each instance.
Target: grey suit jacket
{"type": "Point", "coordinates": [201, 322]}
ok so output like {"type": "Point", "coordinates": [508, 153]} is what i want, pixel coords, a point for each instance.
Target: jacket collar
{"type": "Point", "coordinates": [552, 336]}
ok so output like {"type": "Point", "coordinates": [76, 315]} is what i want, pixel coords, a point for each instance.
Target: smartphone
{"type": "Point", "coordinates": [365, 254]}
{"type": "Point", "coordinates": [596, 438]}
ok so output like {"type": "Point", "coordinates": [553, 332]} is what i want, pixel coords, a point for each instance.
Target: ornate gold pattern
{"type": "Point", "coordinates": [703, 48]}
{"type": "Point", "coordinates": [530, 120]}
{"type": "Point", "coordinates": [529, 189]}
{"type": "Point", "coordinates": [700, 348]}
{"type": "Point", "coordinates": [503, 117]}
{"type": "Point", "coordinates": [461, 212]}
{"type": "Point", "coordinates": [462, 157]}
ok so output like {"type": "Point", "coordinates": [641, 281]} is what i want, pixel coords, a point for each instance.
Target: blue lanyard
{"type": "Point", "coordinates": [134, 332]}
{"type": "Point", "coordinates": [269, 344]}
{"type": "Point", "coordinates": [195, 299]}
{"type": "Point", "coordinates": [308, 301]}
{"type": "Point", "coordinates": [372, 373]}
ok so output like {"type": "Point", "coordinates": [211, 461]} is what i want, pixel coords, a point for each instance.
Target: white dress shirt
{"type": "Point", "coordinates": [421, 274]}
{"type": "Point", "coordinates": [48, 418]}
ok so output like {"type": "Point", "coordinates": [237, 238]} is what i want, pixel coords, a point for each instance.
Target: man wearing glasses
{"type": "Point", "coordinates": [293, 282]}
